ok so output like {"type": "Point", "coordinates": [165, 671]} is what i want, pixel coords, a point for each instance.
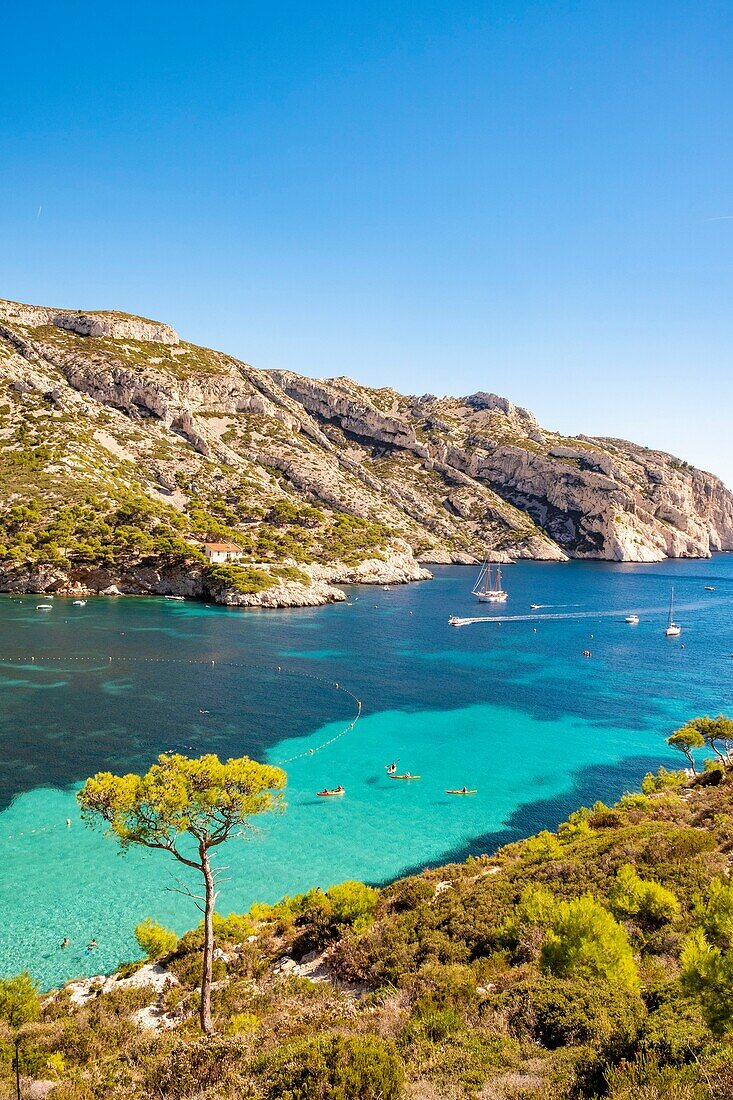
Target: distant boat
{"type": "Point", "coordinates": [44, 607]}
{"type": "Point", "coordinates": [407, 775]}
{"type": "Point", "coordinates": [535, 606]}
{"type": "Point", "coordinates": [80, 603]}
{"type": "Point", "coordinates": [673, 629]}
{"type": "Point", "coordinates": [180, 598]}
{"type": "Point", "coordinates": [632, 620]}
{"type": "Point", "coordinates": [335, 793]}
{"type": "Point", "coordinates": [487, 588]}
{"type": "Point", "coordinates": [709, 588]}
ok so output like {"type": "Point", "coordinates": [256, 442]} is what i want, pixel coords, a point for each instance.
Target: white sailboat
{"type": "Point", "coordinates": [673, 629]}
{"type": "Point", "coordinates": [487, 588]}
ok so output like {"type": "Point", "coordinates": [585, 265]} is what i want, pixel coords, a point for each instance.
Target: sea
{"type": "Point", "coordinates": [508, 706]}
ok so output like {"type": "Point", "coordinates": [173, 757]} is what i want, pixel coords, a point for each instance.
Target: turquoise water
{"type": "Point", "coordinates": [512, 709]}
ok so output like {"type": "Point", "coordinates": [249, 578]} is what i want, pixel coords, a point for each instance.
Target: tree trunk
{"type": "Point", "coordinates": [716, 750]}
{"type": "Point", "coordinates": [691, 758]}
{"type": "Point", "coordinates": [205, 1009]}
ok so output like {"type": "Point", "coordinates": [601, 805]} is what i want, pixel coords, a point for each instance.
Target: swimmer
{"type": "Point", "coordinates": [64, 943]}
{"type": "Point", "coordinates": [92, 945]}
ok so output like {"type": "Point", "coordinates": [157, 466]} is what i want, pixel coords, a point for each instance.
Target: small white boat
{"type": "Point", "coordinates": [79, 603]}
{"type": "Point", "coordinates": [179, 598]}
{"type": "Point", "coordinates": [632, 620]}
{"type": "Point", "coordinates": [535, 606]}
{"type": "Point", "coordinates": [44, 607]}
{"type": "Point", "coordinates": [709, 588]}
{"type": "Point", "coordinates": [673, 629]}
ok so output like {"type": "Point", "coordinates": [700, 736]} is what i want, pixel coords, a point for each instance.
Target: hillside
{"type": "Point", "coordinates": [594, 961]}
{"type": "Point", "coordinates": [124, 447]}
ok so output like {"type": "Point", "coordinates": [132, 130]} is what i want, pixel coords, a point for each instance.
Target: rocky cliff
{"type": "Point", "coordinates": [124, 447]}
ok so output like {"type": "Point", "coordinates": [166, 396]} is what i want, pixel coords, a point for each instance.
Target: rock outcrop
{"type": "Point", "coordinates": [337, 481]}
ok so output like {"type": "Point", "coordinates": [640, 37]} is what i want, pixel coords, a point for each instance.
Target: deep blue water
{"type": "Point", "coordinates": [512, 709]}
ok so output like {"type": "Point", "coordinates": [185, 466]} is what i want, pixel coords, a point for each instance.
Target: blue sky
{"type": "Point", "coordinates": [529, 198]}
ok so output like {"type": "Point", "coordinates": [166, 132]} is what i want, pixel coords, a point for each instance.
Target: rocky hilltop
{"type": "Point", "coordinates": [125, 448]}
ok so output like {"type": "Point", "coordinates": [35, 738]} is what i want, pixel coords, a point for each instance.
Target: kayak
{"type": "Point", "coordinates": [461, 792]}
{"type": "Point", "coordinates": [329, 794]}
{"type": "Point", "coordinates": [405, 777]}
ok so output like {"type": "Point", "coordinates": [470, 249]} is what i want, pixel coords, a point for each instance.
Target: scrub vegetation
{"type": "Point", "coordinates": [593, 961]}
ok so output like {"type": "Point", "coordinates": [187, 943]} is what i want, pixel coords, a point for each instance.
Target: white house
{"type": "Point", "coordinates": [222, 551]}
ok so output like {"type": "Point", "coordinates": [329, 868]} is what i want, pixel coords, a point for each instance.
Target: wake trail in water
{"type": "Point", "coordinates": [570, 615]}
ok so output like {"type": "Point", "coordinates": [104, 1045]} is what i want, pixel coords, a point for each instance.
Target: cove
{"type": "Point", "coordinates": [512, 709]}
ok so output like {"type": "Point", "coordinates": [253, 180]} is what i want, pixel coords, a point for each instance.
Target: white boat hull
{"type": "Point", "coordinates": [673, 631]}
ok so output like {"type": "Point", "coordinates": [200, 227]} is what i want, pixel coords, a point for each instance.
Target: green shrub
{"type": "Point", "coordinates": [663, 781]}
{"type": "Point", "coordinates": [433, 1020]}
{"type": "Point", "coordinates": [335, 1067]}
{"type": "Point", "coordinates": [19, 1002]}
{"type": "Point", "coordinates": [574, 1011]}
{"type": "Point", "coordinates": [233, 928]}
{"type": "Point", "coordinates": [353, 904]}
{"type": "Point", "coordinates": [646, 1078]}
{"type": "Point", "coordinates": [585, 941]}
{"type": "Point", "coordinates": [638, 898]}
{"type": "Point", "coordinates": [154, 939]}
{"type": "Point", "coordinates": [541, 847]}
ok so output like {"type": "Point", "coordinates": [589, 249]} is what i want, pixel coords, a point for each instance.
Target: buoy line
{"type": "Point", "coordinates": [22, 662]}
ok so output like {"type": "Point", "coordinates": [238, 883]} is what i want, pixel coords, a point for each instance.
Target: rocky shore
{"type": "Point", "coordinates": [191, 582]}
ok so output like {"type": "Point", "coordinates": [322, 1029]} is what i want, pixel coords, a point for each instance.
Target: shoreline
{"type": "Point", "coordinates": [325, 585]}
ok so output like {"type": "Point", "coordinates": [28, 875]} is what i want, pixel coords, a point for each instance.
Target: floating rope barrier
{"type": "Point", "coordinates": [212, 662]}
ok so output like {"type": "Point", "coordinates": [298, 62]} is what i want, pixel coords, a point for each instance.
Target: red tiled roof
{"type": "Point", "coordinates": [223, 546]}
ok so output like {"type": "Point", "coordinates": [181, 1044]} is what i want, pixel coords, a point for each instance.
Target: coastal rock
{"type": "Point", "coordinates": [109, 405]}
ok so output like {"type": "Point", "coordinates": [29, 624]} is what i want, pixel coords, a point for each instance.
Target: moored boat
{"type": "Point", "coordinates": [632, 620]}
{"type": "Point", "coordinates": [487, 588]}
{"type": "Point", "coordinates": [673, 629]}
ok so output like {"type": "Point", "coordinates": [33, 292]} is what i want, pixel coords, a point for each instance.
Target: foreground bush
{"type": "Point", "coordinates": [19, 1000]}
{"type": "Point", "coordinates": [154, 939]}
{"type": "Point", "coordinates": [334, 1067]}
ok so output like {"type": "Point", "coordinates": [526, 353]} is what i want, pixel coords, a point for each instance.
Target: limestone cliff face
{"type": "Point", "coordinates": [105, 403]}
{"type": "Point", "coordinates": [595, 498]}
{"type": "Point", "coordinates": [115, 326]}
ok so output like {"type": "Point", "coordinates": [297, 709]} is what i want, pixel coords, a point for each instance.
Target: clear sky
{"type": "Point", "coordinates": [533, 198]}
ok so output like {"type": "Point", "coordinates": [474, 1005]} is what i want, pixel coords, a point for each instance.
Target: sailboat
{"type": "Point", "coordinates": [673, 630]}
{"type": "Point", "coordinates": [488, 588]}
